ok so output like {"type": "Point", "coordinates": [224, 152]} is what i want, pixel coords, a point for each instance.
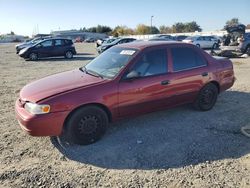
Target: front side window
{"type": "Point", "coordinates": [186, 58]}
{"type": "Point", "coordinates": [152, 63]}
{"type": "Point", "coordinates": [47, 43]}
{"type": "Point", "coordinates": [111, 62]}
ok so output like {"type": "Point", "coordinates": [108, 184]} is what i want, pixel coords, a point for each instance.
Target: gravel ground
{"type": "Point", "coordinates": [172, 148]}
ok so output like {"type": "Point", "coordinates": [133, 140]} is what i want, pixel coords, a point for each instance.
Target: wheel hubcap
{"type": "Point", "coordinates": [33, 56]}
{"type": "Point", "coordinates": [88, 124]}
{"type": "Point", "coordinates": [68, 54]}
{"type": "Point", "coordinates": [207, 97]}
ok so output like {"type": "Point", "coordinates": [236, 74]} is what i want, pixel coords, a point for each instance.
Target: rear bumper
{"type": "Point", "coordinates": [50, 124]}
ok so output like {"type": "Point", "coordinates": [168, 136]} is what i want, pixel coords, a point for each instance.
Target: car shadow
{"type": "Point", "coordinates": [85, 54]}
{"type": "Point", "coordinates": [75, 58]}
{"type": "Point", "coordinates": [170, 139]}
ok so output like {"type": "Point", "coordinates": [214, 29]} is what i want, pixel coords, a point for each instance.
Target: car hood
{"type": "Point", "coordinates": [56, 84]}
{"type": "Point", "coordinates": [24, 45]}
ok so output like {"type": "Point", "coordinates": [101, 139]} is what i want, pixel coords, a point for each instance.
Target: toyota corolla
{"type": "Point", "coordinates": [126, 80]}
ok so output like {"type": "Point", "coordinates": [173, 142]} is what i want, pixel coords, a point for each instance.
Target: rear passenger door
{"type": "Point", "coordinates": [190, 71]}
{"type": "Point", "coordinates": [59, 47]}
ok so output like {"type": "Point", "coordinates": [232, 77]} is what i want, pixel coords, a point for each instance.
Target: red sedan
{"type": "Point", "coordinates": [126, 80]}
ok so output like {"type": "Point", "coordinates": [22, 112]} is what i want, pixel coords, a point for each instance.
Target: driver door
{"type": "Point", "coordinates": [149, 90]}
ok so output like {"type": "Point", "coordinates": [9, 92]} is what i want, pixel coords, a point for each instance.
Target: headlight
{"type": "Point", "coordinates": [37, 108]}
{"type": "Point", "coordinates": [104, 47]}
{"type": "Point", "coordinates": [23, 50]}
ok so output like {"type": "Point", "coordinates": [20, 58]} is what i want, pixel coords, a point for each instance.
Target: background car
{"type": "Point", "coordinates": [106, 46]}
{"type": "Point", "coordinates": [162, 38]}
{"type": "Point", "coordinates": [127, 80]}
{"type": "Point", "coordinates": [236, 41]}
{"type": "Point", "coordinates": [29, 43]}
{"type": "Point", "coordinates": [49, 48]}
{"type": "Point", "coordinates": [202, 41]}
{"type": "Point", "coordinates": [100, 42]}
{"type": "Point", "coordinates": [89, 40]}
{"type": "Point", "coordinates": [180, 37]}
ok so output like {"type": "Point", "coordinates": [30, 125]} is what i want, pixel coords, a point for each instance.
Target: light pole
{"type": "Point", "coordinates": [151, 21]}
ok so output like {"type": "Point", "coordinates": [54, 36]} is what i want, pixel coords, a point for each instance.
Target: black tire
{"type": "Point", "coordinates": [68, 55]}
{"type": "Point", "coordinates": [33, 56]}
{"type": "Point", "coordinates": [86, 125]}
{"type": "Point", "coordinates": [215, 46]}
{"type": "Point", "coordinates": [248, 50]}
{"type": "Point", "coordinates": [198, 45]}
{"type": "Point", "coordinates": [206, 98]}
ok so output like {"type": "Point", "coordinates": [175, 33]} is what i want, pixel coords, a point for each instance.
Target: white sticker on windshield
{"type": "Point", "coordinates": [127, 52]}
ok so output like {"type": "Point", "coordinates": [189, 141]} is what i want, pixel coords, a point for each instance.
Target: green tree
{"type": "Point", "coordinates": [122, 30]}
{"type": "Point", "coordinates": [178, 28]}
{"type": "Point", "coordinates": [12, 33]}
{"type": "Point", "coordinates": [154, 30]}
{"type": "Point", "coordinates": [233, 21]}
{"type": "Point", "coordinates": [165, 29]}
{"type": "Point", "coordinates": [186, 27]}
{"type": "Point", "coordinates": [192, 27]}
{"type": "Point", "coordinates": [142, 29]}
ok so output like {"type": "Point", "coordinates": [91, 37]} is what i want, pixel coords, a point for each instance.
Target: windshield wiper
{"type": "Point", "coordinates": [90, 72]}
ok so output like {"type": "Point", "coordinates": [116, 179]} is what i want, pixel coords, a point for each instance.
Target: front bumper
{"type": "Point", "coordinates": [50, 124]}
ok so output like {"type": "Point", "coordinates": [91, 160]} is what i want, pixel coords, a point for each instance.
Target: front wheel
{"type": "Point", "coordinates": [69, 55]}
{"type": "Point", "coordinates": [206, 98]}
{"type": "Point", "coordinates": [87, 125]}
{"type": "Point", "coordinates": [33, 57]}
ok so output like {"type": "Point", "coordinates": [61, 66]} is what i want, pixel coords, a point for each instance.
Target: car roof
{"type": "Point", "coordinates": [145, 44]}
{"type": "Point", "coordinates": [55, 38]}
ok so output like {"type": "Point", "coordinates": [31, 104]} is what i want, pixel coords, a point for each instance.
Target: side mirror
{"type": "Point", "coordinates": [132, 74]}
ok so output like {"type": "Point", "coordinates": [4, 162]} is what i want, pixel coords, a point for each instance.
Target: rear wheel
{"type": "Point", "coordinates": [248, 50]}
{"type": "Point", "coordinates": [198, 45]}
{"type": "Point", "coordinates": [69, 55]}
{"type": "Point", "coordinates": [206, 98]}
{"type": "Point", "coordinates": [33, 57]}
{"type": "Point", "coordinates": [86, 125]}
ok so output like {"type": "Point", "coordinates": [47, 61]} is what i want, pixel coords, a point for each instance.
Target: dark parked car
{"type": "Point", "coordinates": [89, 40]}
{"type": "Point", "coordinates": [162, 38]}
{"type": "Point", "coordinates": [235, 43]}
{"type": "Point", "coordinates": [100, 42]}
{"type": "Point", "coordinates": [49, 48]}
{"type": "Point", "coordinates": [106, 46]}
{"type": "Point", "coordinates": [126, 80]}
{"type": "Point", "coordinates": [180, 37]}
{"type": "Point", "coordinates": [21, 46]}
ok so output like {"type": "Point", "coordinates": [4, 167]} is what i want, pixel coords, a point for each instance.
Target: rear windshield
{"type": "Point", "coordinates": [111, 62]}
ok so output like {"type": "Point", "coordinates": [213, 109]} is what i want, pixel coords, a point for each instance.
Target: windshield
{"type": "Point", "coordinates": [109, 63]}
{"type": "Point", "coordinates": [34, 41]}
{"type": "Point", "coordinates": [109, 41]}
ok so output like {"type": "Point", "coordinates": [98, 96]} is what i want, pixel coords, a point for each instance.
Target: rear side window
{"type": "Point", "coordinates": [152, 63]}
{"type": "Point", "coordinates": [186, 58]}
{"type": "Point", "coordinates": [59, 42]}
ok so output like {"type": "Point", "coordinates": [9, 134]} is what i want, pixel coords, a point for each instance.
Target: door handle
{"type": "Point", "coordinates": [165, 82]}
{"type": "Point", "coordinates": [204, 74]}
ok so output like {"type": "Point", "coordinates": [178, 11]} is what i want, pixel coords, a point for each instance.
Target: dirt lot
{"type": "Point", "coordinates": [173, 148]}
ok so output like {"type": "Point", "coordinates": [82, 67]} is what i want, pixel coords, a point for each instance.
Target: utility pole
{"type": "Point", "coordinates": [151, 21]}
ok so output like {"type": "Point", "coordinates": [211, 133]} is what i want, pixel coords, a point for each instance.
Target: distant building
{"type": "Point", "coordinates": [12, 38]}
{"type": "Point", "coordinates": [73, 34]}
{"type": "Point", "coordinates": [41, 35]}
